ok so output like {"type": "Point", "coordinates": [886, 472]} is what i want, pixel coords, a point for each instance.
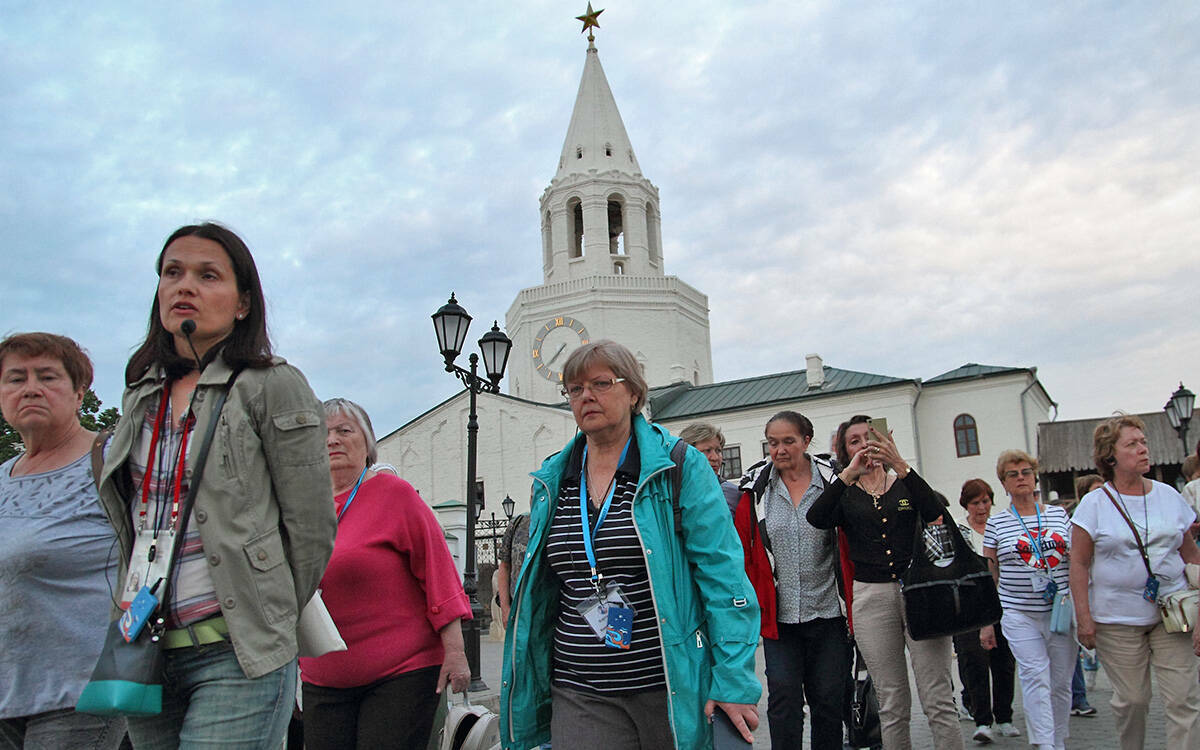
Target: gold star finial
{"type": "Point", "coordinates": [590, 20]}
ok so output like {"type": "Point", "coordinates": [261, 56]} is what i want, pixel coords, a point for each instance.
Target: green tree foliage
{"type": "Point", "coordinates": [90, 416]}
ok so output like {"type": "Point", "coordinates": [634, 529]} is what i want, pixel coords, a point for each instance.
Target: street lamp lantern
{"type": "Point", "coordinates": [495, 347]}
{"type": "Point", "coordinates": [450, 323]}
{"type": "Point", "coordinates": [1179, 413]}
{"type": "Point", "coordinates": [507, 504]}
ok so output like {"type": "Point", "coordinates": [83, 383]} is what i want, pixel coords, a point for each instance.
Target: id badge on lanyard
{"type": "Point", "coordinates": [154, 548]}
{"type": "Point", "coordinates": [608, 613]}
{"type": "Point", "coordinates": [150, 562]}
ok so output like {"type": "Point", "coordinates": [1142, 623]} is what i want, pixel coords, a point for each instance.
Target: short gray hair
{"type": "Point", "coordinates": [350, 409]}
{"type": "Point", "coordinates": [614, 356]}
{"type": "Point", "coordinates": [701, 432]}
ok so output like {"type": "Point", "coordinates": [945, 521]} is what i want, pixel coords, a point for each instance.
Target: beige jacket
{"type": "Point", "coordinates": [264, 508]}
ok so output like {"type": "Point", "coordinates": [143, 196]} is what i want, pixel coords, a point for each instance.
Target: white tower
{"type": "Point", "coordinates": [602, 262]}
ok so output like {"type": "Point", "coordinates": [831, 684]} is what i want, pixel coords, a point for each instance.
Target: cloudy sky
{"type": "Point", "coordinates": [900, 187]}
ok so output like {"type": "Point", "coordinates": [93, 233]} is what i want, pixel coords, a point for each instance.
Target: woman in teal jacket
{"type": "Point", "coordinates": [632, 633]}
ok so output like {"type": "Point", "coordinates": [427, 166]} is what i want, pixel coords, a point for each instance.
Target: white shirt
{"type": "Point", "coordinates": [1118, 573]}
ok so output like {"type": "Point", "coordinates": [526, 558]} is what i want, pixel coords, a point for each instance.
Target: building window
{"type": "Point", "coordinates": [579, 152]}
{"type": "Point", "coordinates": [608, 149]}
{"type": "Point", "coordinates": [731, 466]}
{"type": "Point", "coordinates": [766, 449]}
{"type": "Point", "coordinates": [966, 436]}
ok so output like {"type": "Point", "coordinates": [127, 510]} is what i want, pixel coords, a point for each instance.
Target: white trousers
{"type": "Point", "coordinates": [1045, 665]}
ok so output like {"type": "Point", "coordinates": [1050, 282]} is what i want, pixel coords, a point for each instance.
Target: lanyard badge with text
{"type": "Point", "coordinates": [607, 612]}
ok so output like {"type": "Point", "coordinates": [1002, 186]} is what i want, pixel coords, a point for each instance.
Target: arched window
{"type": "Point", "coordinates": [575, 246]}
{"type": "Point", "coordinates": [966, 436]}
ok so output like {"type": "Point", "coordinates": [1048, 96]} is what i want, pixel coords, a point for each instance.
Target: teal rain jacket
{"type": "Point", "coordinates": [707, 612]}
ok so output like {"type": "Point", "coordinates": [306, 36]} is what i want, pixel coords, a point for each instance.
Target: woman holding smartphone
{"type": "Point", "coordinates": [250, 554]}
{"type": "Point", "coordinates": [878, 500]}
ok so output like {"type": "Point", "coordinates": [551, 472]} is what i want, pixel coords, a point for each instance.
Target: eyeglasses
{"type": "Point", "coordinates": [598, 387]}
{"type": "Point", "coordinates": [1021, 473]}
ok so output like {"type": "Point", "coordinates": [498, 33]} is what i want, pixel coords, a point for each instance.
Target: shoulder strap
{"type": "Point", "coordinates": [678, 451]}
{"type": "Point", "coordinates": [190, 500]}
{"type": "Point", "coordinates": [1136, 536]}
{"type": "Point", "coordinates": [98, 454]}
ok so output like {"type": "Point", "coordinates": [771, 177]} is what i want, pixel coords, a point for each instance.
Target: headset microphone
{"type": "Point", "coordinates": [187, 328]}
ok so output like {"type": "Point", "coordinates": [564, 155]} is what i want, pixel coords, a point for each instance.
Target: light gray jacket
{"type": "Point", "coordinates": [264, 508]}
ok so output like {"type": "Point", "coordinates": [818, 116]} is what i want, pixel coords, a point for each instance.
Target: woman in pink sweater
{"type": "Point", "coordinates": [392, 588]}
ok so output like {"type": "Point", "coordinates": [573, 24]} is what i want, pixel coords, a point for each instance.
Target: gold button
{"type": "Point", "coordinates": [262, 554]}
{"type": "Point", "coordinates": [302, 419]}
{"type": "Point", "coordinates": [889, 551]}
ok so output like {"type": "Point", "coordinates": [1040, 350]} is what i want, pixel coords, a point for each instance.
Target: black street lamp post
{"type": "Point", "coordinates": [450, 323]}
{"type": "Point", "coordinates": [1179, 414]}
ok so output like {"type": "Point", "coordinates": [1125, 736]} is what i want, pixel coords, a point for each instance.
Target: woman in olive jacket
{"type": "Point", "coordinates": [262, 528]}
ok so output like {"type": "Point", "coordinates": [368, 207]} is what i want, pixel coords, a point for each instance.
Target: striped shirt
{"type": "Point", "coordinates": [581, 660]}
{"type": "Point", "coordinates": [193, 596]}
{"type": "Point", "coordinates": [1021, 578]}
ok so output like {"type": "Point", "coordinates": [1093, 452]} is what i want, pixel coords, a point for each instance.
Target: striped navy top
{"type": "Point", "coordinates": [1017, 549]}
{"type": "Point", "coordinates": [581, 660]}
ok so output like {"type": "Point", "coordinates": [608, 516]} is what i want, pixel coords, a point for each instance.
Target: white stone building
{"type": "Point", "coordinates": [604, 277]}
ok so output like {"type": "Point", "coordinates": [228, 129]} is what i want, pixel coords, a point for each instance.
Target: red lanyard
{"type": "Point", "coordinates": [176, 487]}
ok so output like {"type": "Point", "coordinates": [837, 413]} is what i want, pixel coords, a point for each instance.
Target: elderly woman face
{"type": "Point", "coordinates": [1131, 453]}
{"type": "Point", "coordinates": [1020, 480]}
{"type": "Point", "coordinates": [600, 402]}
{"type": "Point", "coordinates": [36, 393]}
{"type": "Point", "coordinates": [786, 445]}
{"type": "Point", "coordinates": [979, 508]}
{"type": "Point", "coordinates": [346, 443]}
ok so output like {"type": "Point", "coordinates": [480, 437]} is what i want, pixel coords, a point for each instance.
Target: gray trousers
{"type": "Point", "coordinates": [592, 721]}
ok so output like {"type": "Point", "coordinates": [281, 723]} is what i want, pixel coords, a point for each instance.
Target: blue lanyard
{"type": "Point", "coordinates": [353, 492]}
{"type": "Point", "coordinates": [1035, 541]}
{"type": "Point", "coordinates": [589, 533]}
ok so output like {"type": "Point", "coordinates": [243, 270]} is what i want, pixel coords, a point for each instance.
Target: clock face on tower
{"type": "Point", "coordinates": [554, 343]}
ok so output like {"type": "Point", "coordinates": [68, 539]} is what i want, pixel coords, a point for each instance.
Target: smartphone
{"type": "Point", "coordinates": [725, 735]}
{"type": "Point", "coordinates": [879, 425]}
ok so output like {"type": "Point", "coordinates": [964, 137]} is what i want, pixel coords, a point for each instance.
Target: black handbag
{"type": "Point", "coordinates": [862, 710]}
{"type": "Point", "coordinates": [127, 679]}
{"type": "Point", "coordinates": [941, 600]}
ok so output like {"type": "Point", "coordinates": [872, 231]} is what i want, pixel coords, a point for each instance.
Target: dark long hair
{"type": "Point", "coordinates": [247, 346]}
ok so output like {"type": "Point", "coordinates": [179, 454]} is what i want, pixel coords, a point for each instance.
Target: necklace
{"type": "Point", "coordinates": [604, 494]}
{"type": "Point", "coordinates": [875, 494]}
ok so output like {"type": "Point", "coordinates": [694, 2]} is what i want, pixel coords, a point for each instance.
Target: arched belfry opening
{"type": "Point", "coordinates": [575, 217]}
{"type": "Point", "coordinates": [616, 224]}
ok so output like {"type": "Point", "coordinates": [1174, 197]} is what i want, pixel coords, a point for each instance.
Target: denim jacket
{"type": "Point", "coordinates": [264, 508]}
{"type": "Point", "coordinates": [706, 611]}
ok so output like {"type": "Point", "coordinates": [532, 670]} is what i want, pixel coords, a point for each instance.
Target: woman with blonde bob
{"type": "Point", "coordinates": [1028, 548]}
{"type": "Point", "coordinates": [631, 624]}
{"type": "Point", "coordinates": [1115, 596]}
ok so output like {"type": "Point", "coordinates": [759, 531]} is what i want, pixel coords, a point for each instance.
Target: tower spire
{"type": "Point", "coordinates": [596, 138]}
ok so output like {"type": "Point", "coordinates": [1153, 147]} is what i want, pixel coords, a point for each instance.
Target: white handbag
{"type": "Point", "coordinates": [470, 727]}
{"type": "Point", "coordinates": [1179, 610]}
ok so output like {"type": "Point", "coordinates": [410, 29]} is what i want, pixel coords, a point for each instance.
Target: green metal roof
{"type": "Point", "coordinates": [972, 370]}
{"type": "Point", "coordinates": [683, 400]}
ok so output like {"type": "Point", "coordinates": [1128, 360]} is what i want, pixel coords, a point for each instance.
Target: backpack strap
{"type": "Point", "coordinates": [98, 454]}
{"type": "Point", "coordinates": [678, 451]}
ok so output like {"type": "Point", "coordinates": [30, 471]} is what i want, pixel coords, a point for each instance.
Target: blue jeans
{"type": "Point", "coordinates": [62, 728]}
{"type": "Point", "coordinates": [209, 703]}
{"type": "Point", "coordinates": [810, 660]}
